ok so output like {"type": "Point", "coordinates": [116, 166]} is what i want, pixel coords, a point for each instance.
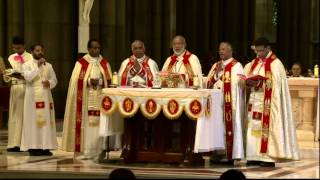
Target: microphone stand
{"type": "Point", "coordinates": [102, 155]}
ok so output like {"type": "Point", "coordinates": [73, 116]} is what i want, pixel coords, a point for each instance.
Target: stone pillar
{"type": "Point", "coordinates": [317, 136]}
{"type": "Point", "coordinates": [308, 97]}
{"type": "Point", "coordinates": [308, 114]}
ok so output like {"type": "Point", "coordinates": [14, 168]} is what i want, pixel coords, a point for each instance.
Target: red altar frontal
{"type": "Point", "coordinates": [168, 125]}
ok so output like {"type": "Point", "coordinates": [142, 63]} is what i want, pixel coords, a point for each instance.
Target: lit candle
{"type": "Point", "coordinates": [115, 78]}
{"type": "Point", "coordinates": [316, 71]}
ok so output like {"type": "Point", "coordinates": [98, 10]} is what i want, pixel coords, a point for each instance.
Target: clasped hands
{"type": "Point", "coordinates": [94, 83]}
{"type": "Point", "coordinates": [219, 70]}
{"type": "Point", "coordinates": [46, 84]}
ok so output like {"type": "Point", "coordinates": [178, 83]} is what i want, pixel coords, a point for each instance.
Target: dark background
{"type": "Point", "coordinates": [116, 23]}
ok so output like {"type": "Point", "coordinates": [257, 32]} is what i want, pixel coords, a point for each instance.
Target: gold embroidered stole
{"type": "Point", "coordinates": [228, 121]}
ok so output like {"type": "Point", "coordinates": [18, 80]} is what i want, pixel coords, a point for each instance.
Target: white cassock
{"type": "Point", "coordinates": [179, 66]}
{"type": "Point", "coordinates": [17, 92]}
{"type": "Point", "coordinates": [39, 128]}
{"type": "Point", "coordinates": [282, 138]}
{"type": "Point", "coordinates": [124, 71]}
{"type": "Point", "coordinates": [89, 109]}
{"type": "Point", "coordinates": [238, 101]}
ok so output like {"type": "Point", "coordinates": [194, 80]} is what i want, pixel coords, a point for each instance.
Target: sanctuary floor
{"type": "Point", "coordinates": [63, 165]}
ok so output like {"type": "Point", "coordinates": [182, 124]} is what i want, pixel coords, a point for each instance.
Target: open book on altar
{"type": "Point", "coordinates": [251, 77]}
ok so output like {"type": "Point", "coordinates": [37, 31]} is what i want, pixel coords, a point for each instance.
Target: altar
{"type": "Point", "coordinates": [172, 125]}
{"type": "Point", "coordinates": [304, 93]}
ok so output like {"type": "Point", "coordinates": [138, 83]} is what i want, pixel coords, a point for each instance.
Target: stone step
{"type": "Point", "coordinates": [309, 153]}
{"type": "Point", "coordinates": [309, 149]}
{"type": "Point", "coordinates": [305, 135]}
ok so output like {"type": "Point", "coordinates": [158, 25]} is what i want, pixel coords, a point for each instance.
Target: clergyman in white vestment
{"type": "Point", "coordinates": [138, 67]}
{"type": "Point", "coordinates": [39, 128]}
{"type": "Point", "coordinates": [82, 113]}
{"type": "Point", "coordinates": [17, 92]}
{"type": "Point", "coordinates": [271, 132]}
{"type": "Point", "coordinates": [183, 61]}
{"type": "Point", "coordinates": [223, 76]}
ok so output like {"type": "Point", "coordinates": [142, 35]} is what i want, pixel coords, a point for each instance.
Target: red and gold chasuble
{"type": "Point", "coordinates": [144, 70]}
{"type": "Point", "coordinates": [267, 101]}
{"type": "Point", "coordinates": [186, 63]}
{"type": "Point", "coordinates": [81, 84]}
{"type": "Point", "coordinates": [228, 108]}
